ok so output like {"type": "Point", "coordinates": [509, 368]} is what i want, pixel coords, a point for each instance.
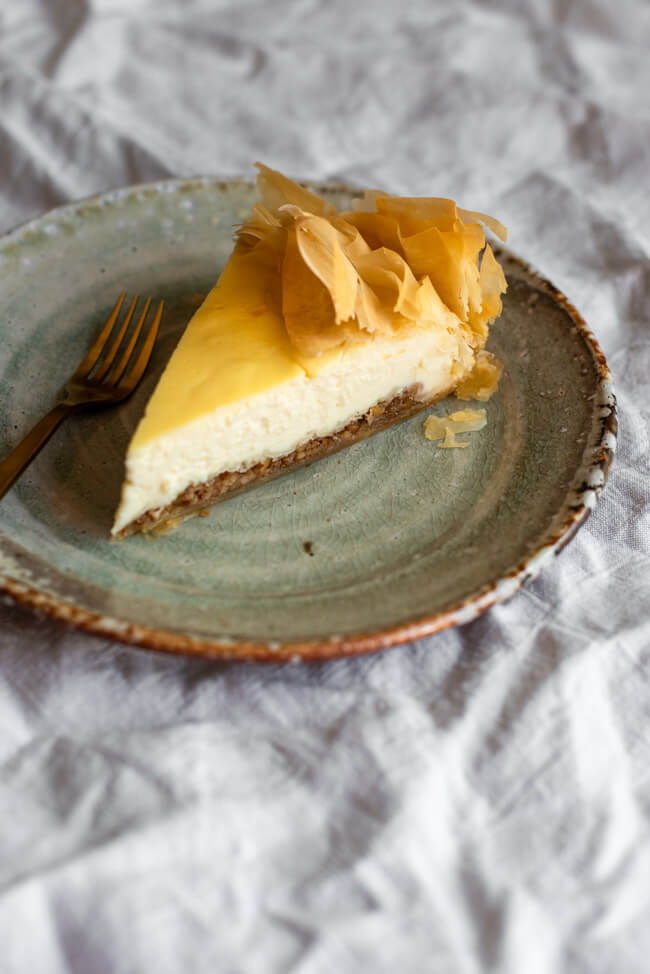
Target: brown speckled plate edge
{"type": "Point", "coordinates": [579, 502]}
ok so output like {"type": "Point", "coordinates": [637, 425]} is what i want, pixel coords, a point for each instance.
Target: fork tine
{"type": "Point", "coordinates": [124, 361]}
{"type": "Point", "coordinates": [131, 379]}
{"type": "Point", "coordinates": [117, 341]}
{"type": "Point", "coordinates": [100, 341]}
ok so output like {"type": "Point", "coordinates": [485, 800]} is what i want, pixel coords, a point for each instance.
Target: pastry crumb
{"type": "Point", "coordinates": [483, 380]}
{"type": "Point", "coordinates": [446, 428]}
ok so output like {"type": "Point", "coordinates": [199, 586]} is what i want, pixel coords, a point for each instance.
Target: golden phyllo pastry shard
{"type": "Point", "coordinates": [323, 328]}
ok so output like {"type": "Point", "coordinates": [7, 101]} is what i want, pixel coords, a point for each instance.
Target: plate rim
{"type": "Point", "coordinates": [592, 475]}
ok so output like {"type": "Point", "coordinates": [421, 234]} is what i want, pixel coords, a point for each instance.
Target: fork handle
{"type": "Point", "coordinates": [22, 455]}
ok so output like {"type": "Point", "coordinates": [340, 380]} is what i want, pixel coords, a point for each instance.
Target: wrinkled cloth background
{"type": "Point", "coordinates": [477, 801]}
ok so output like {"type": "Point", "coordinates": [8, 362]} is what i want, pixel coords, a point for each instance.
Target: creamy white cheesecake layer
{"type": "Point", "coordinates": [273, 423]}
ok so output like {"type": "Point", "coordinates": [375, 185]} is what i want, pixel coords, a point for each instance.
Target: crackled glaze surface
{"type": "Point", "coordinates": [383, 542]}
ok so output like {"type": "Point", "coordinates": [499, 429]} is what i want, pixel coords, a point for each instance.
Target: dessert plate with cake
{"type": "Point", "coordinates": [300, 322]}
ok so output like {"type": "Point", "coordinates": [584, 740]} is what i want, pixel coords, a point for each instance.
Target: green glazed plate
{"type": "Point", "coordinates": [384, 542]}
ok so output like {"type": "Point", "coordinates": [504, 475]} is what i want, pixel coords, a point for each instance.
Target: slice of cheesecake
{"type": "Point", "coordinates": [324, 328]}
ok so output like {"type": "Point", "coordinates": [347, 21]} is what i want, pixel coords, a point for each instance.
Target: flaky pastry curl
{"type": "Point", "coordinates": [390, 263]}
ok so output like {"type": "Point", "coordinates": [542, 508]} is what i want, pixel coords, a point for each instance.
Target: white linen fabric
{"type": "Point", "coordinates": [477, 801]}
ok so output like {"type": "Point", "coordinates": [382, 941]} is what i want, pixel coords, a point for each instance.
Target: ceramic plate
{"type": "Point", "coordinates": [387, 541]}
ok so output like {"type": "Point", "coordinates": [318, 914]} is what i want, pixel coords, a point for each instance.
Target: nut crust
{"type": "Point", "coordinates": [197, 497]}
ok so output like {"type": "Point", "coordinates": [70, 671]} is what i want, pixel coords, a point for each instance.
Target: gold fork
{"type": "Point", "coordinates": [97, 383]}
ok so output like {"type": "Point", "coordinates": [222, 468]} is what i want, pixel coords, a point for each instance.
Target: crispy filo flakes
{"type": "Point", "coordinates": [389, 264]}
{"type": "Point", "coordinates": [483, 380]}
{"type": "Point", "coordinates": [446, 428]}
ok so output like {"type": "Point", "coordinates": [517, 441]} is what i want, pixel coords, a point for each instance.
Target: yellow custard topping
{"type": "Point", "coordinates": [218, 361]}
